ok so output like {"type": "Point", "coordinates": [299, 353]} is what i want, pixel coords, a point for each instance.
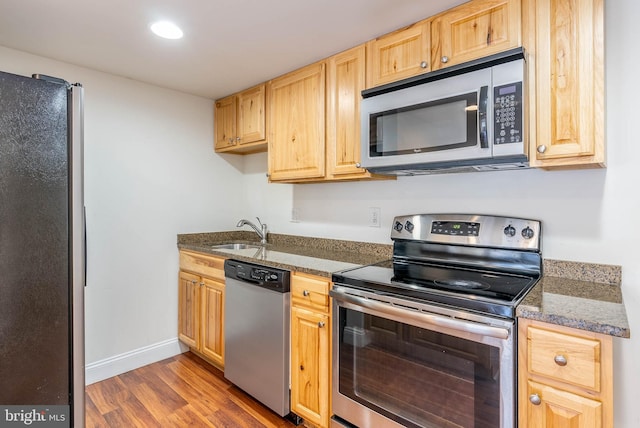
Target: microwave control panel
{"type": "Point", "coordinates": [507, 111]}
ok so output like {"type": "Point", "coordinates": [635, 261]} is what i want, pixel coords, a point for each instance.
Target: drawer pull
{"type": "Point", "coordinates": [535, 399]}
{"type": "Point", "coordinates": [560, 360]}
{"type": "Point", "coordinates": [305, 293]}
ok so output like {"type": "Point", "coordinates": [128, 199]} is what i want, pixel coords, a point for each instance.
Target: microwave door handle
{"type": "Point", "coordinates": [482, 117]}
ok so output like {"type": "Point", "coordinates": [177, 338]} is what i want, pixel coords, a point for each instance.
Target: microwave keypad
{"type": "Point", "coordinates": [507, 110]}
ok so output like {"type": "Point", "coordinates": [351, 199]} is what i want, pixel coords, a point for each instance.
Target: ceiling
{"type": "Point", "coordinates": [228, 45]}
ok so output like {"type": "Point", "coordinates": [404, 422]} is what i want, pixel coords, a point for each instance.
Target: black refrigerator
{"type": "Point", "coordinates": [42, 252]}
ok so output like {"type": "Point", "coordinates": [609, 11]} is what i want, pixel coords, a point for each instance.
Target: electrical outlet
{"type": "Point", "coordinates": [374, 217]}
{"type": "Point", "coordinates": [295, 215]}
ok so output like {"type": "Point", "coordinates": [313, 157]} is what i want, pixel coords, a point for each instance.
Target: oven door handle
{"type": "Point", "coordinates": [422, 317]}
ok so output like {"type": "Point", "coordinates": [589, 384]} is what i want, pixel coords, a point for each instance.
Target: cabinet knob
{"type": "Point", "coordinates": [444, 59]}
{"type": "Point", "coordinates": [193, 281]}
{"type": "Point", "coordinates": [301, 367]}
{"type": "Point", "coordinates": [238, 139]}
{"type": "Point", "coordinates": [560, 360]}
{"type": "Point", "coordinates": [358, 165]}
{"type": "Point", "coordinates": [541, 148]}
{"type": "Point", "coordinates": [423, 64]}
{"type": "Point", "coordinates": [305, 293]}
{"type": "Point", "coordinates": [202, 284]}
{"type": "Point", "coordinates": [321, 324]}
{"type": "Point", "coordinates": [535, 399]}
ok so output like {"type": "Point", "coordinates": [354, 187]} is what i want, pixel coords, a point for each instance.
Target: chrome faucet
{"type": "Point", "coordinates": [262, 232]}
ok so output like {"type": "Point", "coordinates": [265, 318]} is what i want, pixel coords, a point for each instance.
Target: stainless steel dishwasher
{"type": "Point", "coordinates": [256, 328]}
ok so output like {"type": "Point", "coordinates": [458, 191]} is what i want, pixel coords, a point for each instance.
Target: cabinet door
{"type": "Point", "coordinates": [188, 309]}
{"type": "Point", "coordinates": [212, 320]}
{"type": "Point", "coordinates": [398, 55]}
{"type": "Point", "coordinates": [297, 124]}
{"type": "Point", "coordinates": [553, 408]}
{"type": "Point", "coordinates": [474, 30]}
{"type": "Point", "coordinates": [567, 95]}
{"type": "Point", "coordinates": [251, 125]}
{"type": "Point", "coordinates": [345, 82]}
{"type": "Point", "coordinates": [310, 366]}
{"type": "Point", "coordinates": [224, 121]}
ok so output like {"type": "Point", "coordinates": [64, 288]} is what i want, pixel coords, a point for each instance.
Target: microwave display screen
{"type": "Point", "coordinates": [443, 124]}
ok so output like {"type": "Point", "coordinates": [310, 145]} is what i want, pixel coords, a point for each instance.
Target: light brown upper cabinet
{"type": "Point", "coordinates": [345, 82]}
{"type": "Point", "coordinates": [565, 44]}
{"type": "Point", "coordinates": [398, 55]}
{"type": "Point", "coordinates": [240, 122]}
{"type": "Point", "coordinates": [297, 124]}
{"type": "Point", "coordinates": [474, 30]}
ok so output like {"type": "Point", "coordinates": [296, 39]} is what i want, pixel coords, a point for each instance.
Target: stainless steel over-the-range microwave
{"type": "Point", "coordinates": [468, 117]}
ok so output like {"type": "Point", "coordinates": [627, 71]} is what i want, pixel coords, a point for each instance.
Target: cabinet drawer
{"type": "Point", "coordinates": [209, 266]}
{"type": "Point", "coordinates": [567, 358]}
{"type": "Point", "coordinates": [310, 292]}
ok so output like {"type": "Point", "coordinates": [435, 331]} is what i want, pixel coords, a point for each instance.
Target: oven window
{"type": "Point", "coordinates": [417, 377]}
{"type": "Point", "coordinates": [438, 125]}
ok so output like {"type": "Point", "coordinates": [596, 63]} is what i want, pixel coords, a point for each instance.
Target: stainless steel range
{"type": "Point", "coordinates": [428, 339]}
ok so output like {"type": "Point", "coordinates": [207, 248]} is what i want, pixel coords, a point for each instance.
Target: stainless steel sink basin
{"type": "Point", "coordinates": [235, 246]}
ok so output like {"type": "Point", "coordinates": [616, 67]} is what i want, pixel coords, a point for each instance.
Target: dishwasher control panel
{"type": "Point", "coordinates": [261, 276]}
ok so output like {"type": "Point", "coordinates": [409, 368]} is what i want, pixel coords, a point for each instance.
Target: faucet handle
{"type": "Point", "coordinates": [259, 222]}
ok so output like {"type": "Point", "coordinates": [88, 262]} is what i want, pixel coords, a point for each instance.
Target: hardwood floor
{"type": "Point", "coordinates": [183, 391]}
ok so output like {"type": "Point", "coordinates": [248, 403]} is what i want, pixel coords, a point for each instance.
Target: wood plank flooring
{"type": "Point", "coordinates": [183, 391]}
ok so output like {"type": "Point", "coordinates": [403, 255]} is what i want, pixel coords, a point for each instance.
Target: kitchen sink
{"type": "Point", "coordinates": [236, 246]}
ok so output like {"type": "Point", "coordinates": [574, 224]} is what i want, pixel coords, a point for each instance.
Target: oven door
{"type": "Point", "coordinates": [401, 363]}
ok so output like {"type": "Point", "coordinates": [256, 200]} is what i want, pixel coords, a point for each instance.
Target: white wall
{"type": "Point", "coordinates": [150, 173]}
{"type": "Point", "coordinates": [589, 215]}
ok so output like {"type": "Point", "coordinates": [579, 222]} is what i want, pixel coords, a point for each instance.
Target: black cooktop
{"type": "Point", "coordinates": [480, 290]}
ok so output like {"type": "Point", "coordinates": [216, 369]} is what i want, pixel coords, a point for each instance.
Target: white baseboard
{"type": "Point", "coordinates": [118, 364]}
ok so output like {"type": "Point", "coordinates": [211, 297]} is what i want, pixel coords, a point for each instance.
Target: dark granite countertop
{"type": "Point", "coordinates": [315, 256]}
{"type": "Point", "coordinates": [579, 295]}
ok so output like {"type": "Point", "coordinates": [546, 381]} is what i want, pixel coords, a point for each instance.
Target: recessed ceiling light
{"type": "Point", "coordinates": [166, 29]}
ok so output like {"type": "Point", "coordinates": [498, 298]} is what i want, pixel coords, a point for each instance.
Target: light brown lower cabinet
{"type": "Point", "coordinates": [310, 348]}
{"type": "Point", "coordinates": [565, 377]}
{"type": "Point", "coordinates": [201, 305]}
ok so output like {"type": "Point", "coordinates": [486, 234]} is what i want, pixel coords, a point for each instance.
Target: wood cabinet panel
{"type": "Point", "coordinates": [398, 55]}
{"type": "Point", "coordinates": [578, 359]}
{"type": "Point", "coordinates": [474, 30]}
{"type": "Point", "coordinates": [212, 320]}
{"type": "Point", "coordinates": [210, 266]}
{"type": "Point", "coordinates": [251, 119]}
{"type": "Point", "coordinates": [561, 409]}
{"type": "Point", "coordinates": [201, 289]}
{"type": "Point", "coordinates": [310, 366]}
{"type": "Point", "coordinates": [297, 124]}
{"type": "Point", "coordinates": [565, 41]}
{"type": "Point", "coordinates": [553, 393]}
{"type": "Point", "coordinates": [240, 122]}
{"type": "Point", "coordinates": [310, 292]}
{"type": "Point", "coordinates": [188, 309]}
{"type": "Point", "coordinates": [345, 82]}
{"type": "Point", "coordinates": [225, 123]}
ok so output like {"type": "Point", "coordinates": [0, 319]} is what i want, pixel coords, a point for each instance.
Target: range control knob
{"type": "Point", "coordinates": [510, 231]}
{"type": "Point", "coordinates": [527, 233]}
{"type": "Point", "coordinates": [398, 226]}
{"type": "Point", "coordinates": [408, 226]}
